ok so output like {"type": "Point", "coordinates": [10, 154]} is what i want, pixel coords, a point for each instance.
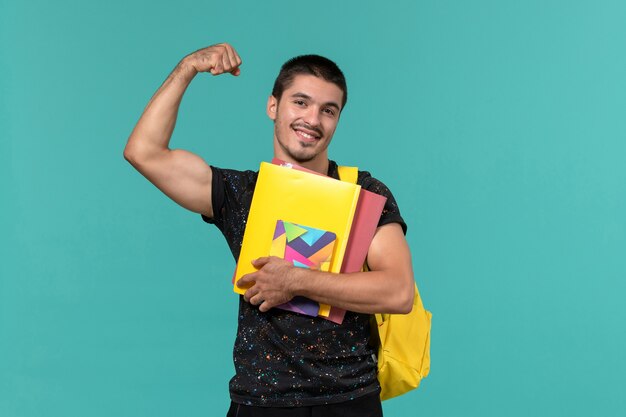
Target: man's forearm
{"type": "Point", "coordinates": [364, 292]}
{"type": "Point", "coordinates": [154, 129]}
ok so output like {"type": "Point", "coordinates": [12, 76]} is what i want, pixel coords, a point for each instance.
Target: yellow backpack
{"type": "Point", "coordinates": [403, 339]}
{"type": "Point", "coordinates": [404, 350]}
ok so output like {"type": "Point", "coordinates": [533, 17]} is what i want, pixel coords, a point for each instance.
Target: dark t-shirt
{"type": "Point", "coordinates": [284, 358]}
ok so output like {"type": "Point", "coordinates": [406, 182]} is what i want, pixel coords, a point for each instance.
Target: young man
{"type": "Point", "coordinates": [286, 363]}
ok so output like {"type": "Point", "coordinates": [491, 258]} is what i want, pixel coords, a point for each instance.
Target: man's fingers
{"type": "Point", "coordinates": [259, 262]}
{"type": "Point", "coordinates": [256, 300]}
{"type": "Point", "coordinates": [250, 293]}
{"type": "Point", "coordinates": [216, 69]}
{"type": "Point", "coordinates": [226, 65]}
{"type": "Point", "coordinates": [246, 280]}
{"type": "Point", "coordinates": [232, 59]}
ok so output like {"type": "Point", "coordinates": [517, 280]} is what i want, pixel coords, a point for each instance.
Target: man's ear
{"type": "Point", "coordinates": [272, 106]}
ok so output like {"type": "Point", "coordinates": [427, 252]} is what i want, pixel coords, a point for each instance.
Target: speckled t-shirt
{"type": "Point", "coordinates": [284, 358]}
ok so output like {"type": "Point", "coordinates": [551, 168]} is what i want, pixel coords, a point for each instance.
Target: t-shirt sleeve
{"type": "Point", "coordinates": [391, 211]}
{"type": "Point", "coordinates": [231, 192]}
{"type": "Point", "coordinates": [217, 196]}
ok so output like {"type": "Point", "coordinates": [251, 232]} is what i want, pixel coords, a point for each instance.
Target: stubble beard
{"type": "Point", "coordinates": [307, 148]}
{"type": "Point", "coordinates": [303, 155]}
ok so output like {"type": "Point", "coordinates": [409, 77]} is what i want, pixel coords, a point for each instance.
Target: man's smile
{"type": "Point", "coordinates": [307, 134]}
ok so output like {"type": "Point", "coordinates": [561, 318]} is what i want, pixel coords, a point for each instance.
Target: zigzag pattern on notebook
{"type": "Point", "coordinates": [305, 247]}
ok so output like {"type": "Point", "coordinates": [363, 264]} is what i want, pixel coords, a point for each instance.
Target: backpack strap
{"type": "Point", "coordinates": [348, 174]}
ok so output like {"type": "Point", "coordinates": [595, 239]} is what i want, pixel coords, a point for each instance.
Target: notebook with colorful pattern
{"type": "Point", "coordinates": [305, 247]}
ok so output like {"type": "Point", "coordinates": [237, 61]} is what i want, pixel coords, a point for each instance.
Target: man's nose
{"type": "Point", "coordinates": [312, 116]}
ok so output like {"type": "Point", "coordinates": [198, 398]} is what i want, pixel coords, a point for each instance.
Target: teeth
{"type": "Point", "coordinates": [306, 135]}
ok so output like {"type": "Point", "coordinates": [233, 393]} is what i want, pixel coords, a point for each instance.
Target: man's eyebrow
{"type": "Point", "coordinates": [308, 97]}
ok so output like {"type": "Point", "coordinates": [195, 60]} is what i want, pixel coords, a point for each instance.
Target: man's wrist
{"type": "Point", "coordinates": [295, 284]}
{"type": "Point", "coordinates": [185, 70]}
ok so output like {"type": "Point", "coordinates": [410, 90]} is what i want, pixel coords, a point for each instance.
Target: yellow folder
{"type": "Point", "coordinates": [287, 194]}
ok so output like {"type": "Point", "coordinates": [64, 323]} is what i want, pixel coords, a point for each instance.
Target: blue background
{"type": "Point", "coordinates": [499, 126]}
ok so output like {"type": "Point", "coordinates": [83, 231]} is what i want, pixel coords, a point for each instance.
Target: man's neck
{"type": "Point", "coordinates": [317, 166]}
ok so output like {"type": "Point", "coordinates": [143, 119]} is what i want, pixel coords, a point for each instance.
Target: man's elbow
{"type": "Point", "coordinates": [403, 300]}
{"type": "Point", "coordinates": [407, 301]}
{"type": "Point", "coordinates": [135, 154]}
{"type": "Point", "coordinates": [128, 156]}
{"type": "Point", "coordinates": [130, 153]}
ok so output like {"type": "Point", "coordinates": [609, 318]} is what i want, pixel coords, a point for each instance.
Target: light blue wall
{"type": "Point", "coordinates": [499, 126]}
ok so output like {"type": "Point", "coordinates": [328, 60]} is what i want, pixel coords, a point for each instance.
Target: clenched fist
{"type": "Point", "coordinates": [216, 59]}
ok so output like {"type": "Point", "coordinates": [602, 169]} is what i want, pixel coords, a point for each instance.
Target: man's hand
{"type": "Point", "coordinates": [270, 284]}
{"type": "Point", "coordinates": [216, 59]}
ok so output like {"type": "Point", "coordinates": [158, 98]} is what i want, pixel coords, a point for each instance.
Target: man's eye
{"type": "Point", "coordinates": [330, 112]}
{"type": "Point", "coordinates": [299, 102]}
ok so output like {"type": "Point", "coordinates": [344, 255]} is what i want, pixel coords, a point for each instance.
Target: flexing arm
{"type": "Point", "coordinates": [181, 175]}
{"type": "Point", "coordinates": [387, 288]}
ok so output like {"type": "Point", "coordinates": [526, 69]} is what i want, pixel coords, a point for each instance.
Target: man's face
{"type": "Point", "coordinates": [305, 119]}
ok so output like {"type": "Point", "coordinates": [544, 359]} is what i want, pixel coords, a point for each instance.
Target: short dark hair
{"type": "Point", "coordinates": [310, 65]}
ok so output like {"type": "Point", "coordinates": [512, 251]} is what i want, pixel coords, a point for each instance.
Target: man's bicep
{"type": "Point", "coordinates": [390, 252]}
{"type": "Point", "coordinates": [184, 177]}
